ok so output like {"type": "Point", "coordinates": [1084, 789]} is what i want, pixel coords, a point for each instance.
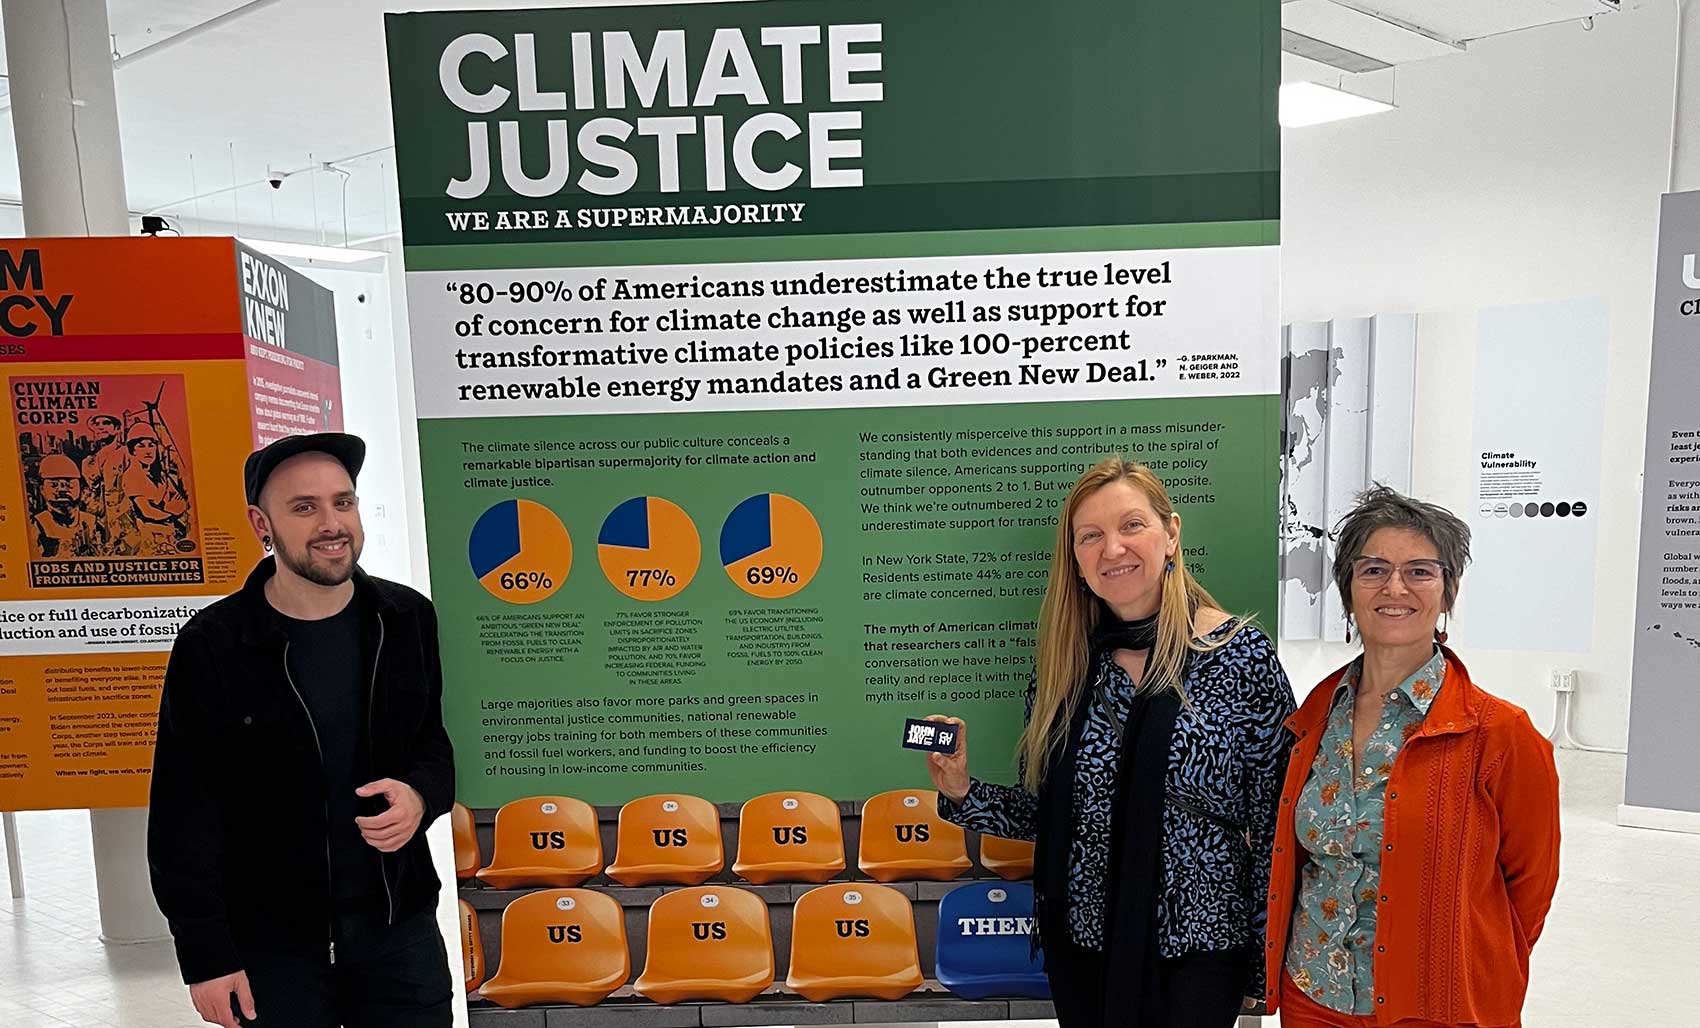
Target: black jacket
{"type": "Point", "coordinates": [237, 829]}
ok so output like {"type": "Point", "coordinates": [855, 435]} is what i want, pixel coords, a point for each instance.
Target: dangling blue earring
{"type": "Point", "coordinates": [1170, 567]}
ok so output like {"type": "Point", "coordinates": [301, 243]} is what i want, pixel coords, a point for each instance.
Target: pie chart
{"type": "Point", "coordinates": [649, 548]}
{"type": "Point", "coordinates": [520, 552]}
{"type": "Point", "coordinates": [771, 545]}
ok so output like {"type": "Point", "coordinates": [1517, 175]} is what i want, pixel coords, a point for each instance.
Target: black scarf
{"type": "Point", "coordinates": [1112, 633]}
{"type": "Point", "coordinates": [1136, 832]}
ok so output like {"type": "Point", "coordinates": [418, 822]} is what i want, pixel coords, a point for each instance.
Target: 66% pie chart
{"type": "Point", "coordinates": [520, 552]}
{"type": "Point", "coordinates": [649, 548]}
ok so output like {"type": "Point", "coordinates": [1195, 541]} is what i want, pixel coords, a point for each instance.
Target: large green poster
{"type": "Point", "coordinates": [756, 344]}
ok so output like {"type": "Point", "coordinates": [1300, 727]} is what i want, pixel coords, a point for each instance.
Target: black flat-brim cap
{"type": "Point", "coordinates": [349, 451]}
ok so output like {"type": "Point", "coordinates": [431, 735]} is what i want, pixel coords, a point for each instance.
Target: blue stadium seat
{"type": "Point", "coordinates": [983, 942]}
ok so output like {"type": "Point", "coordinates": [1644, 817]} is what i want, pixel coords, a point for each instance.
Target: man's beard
{"type": "Point", "coordinates": [318, 573]}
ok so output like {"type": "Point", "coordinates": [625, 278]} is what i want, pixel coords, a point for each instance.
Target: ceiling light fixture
{"type": "Point", "coordinates": [1312, 103]}
{"type": "Point", "coordinates": [313, 251]}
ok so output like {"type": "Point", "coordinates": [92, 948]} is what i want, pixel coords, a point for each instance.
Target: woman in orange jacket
{"type": "Point", "coordinates": [1416, 849]}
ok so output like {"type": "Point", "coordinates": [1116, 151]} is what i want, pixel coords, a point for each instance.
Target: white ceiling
{"type": "Point", "coordinates": [295, 82]}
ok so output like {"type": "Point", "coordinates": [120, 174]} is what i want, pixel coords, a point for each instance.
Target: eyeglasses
{"type": "Point", "coordinates": [1374, 572]}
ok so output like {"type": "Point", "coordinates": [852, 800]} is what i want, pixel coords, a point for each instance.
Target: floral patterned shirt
{"type": "Point", "coordinates": [1340, 821]}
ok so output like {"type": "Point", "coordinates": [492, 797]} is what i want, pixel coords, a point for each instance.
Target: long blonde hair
{"type": "Point", "coordinates": [1069, 615]}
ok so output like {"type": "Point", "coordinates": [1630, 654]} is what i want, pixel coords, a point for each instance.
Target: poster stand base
{"type": "Point", "coordinates": [14, 861]}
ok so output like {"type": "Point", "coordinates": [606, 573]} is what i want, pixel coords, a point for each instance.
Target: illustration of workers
{"type": "Point", "coordinates": [63, 528]}
{"type": "Point", "coordinates": [103, 468]}
{"type": "Point", "coordinates": [159, 505]}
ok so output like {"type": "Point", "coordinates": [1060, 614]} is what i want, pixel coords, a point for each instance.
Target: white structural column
{"type": "Point", "coordinates": [65, 118]}
{"type": "Point", "coordinates": [71, 168]}
{"type": "Point", "coordinates": [1685, 131]}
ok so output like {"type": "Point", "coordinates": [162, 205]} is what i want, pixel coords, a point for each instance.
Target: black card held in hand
{"type": "Point", "coordinates": [932, 736]}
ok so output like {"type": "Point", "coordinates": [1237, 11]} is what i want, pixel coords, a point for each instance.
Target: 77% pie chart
{"type": "Point", "coordinates": [520, 552]}
{"type": "Point", "coordinates": [649, 548]}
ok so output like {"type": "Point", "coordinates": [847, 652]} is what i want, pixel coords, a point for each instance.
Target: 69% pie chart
{"type": "Point", "coordinates": [520, 552]}
{"type": "Point", "coordinates": [771, 545]}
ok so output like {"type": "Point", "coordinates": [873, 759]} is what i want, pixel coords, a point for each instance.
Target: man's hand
{"type": "Point", "coordinates": [212, 999]}
{"type": "Point", "coordinates": [391, 830]}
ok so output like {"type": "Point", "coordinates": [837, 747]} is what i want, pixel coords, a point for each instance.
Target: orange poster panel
{"type": "Point", "coordinates": [118, 287]}
{"type": "Point", "coordinates": [121, 515]}
{"type": "Point", "coordinates": [77, 730]}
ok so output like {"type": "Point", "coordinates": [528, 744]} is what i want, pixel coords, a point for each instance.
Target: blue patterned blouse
{"type": "Point", "coordinates": [1340, 819]}
{"type": "Point", "coordinates": [1227, 756]}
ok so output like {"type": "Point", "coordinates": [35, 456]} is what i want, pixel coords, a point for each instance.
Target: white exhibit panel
{"type": "Point", "coordinates": [1348, 395]}
{"type": "Point", "coordinates": [1393, 400]}
{"type": "Point", "coordinates": [1538, 409]}
{"type": "Point", "coordinates": [1306, 363]}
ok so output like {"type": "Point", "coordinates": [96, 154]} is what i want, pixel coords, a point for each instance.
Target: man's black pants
{"type": "Point", "coordinates": [383, 977]}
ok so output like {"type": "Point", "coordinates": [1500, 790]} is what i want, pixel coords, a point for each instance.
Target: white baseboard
{"type": "Point", "coordinates": [1659, 819]}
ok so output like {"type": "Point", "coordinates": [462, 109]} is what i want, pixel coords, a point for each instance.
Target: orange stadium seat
{"type": "Point", "coordinates": [789, 837]}
{"type": "Point", "coordinates": [548, 841]}
{"type": "Point", "coordinates": [708, 943]}
{"type": "Point", "coordinates": [471, 948]}
{"type": "Point", "coordinates": [1010, 859]}
{"type": "Point", "coordinates": [560, 946]}
{"type": "Point", "coordinates": [468, 859]}
{"type": "Point", "coordinates": [904, 839]}
{"type": "Point", "coordinates": [668, 840]}
{"type": "Point", "coordinates": [853, 939]}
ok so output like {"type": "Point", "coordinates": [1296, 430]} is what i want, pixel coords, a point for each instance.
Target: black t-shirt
{"type": "Point", "coordinates": [331, 673]}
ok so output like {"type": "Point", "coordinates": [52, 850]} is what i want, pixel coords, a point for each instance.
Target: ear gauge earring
{"type": "Point", "coordinates": [266, 541]}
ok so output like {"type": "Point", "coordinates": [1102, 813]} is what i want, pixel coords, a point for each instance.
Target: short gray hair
{"type": "Point", "coordinates": [1384, 507]}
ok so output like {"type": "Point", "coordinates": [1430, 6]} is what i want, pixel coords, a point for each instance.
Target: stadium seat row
{"type": "Point", "coordinates": [715, 943]}
{"type": "Point", "coordinates": [555, 842]}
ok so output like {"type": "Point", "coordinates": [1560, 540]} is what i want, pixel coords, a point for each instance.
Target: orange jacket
{"type": "Point", "coordinates": [1469, 860]}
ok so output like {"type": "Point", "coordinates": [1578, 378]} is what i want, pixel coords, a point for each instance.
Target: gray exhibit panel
{"type": "Point", "coordinates": [1660, 789]}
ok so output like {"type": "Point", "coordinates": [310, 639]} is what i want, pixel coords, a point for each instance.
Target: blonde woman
{"type": "Point", "coordinates": [1150, 767]}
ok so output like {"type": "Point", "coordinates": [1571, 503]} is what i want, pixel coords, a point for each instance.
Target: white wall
{"type": "Point", "coordinates": [366, 350]}
{"type": "Point", "coordinates": [1527, 169]}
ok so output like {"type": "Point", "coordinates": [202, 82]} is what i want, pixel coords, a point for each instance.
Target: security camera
{"type": "Point", "coordinates": [276, 180]}
{"type": "Point", "coordinates": [360, 298]}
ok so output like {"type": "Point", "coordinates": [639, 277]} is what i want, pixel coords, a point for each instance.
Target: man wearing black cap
{"type": "Point", "coordinates": [301, 756]}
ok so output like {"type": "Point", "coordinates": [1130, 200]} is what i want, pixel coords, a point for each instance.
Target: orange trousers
{"type": "Point", "coordinates": [1300, 1011]}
